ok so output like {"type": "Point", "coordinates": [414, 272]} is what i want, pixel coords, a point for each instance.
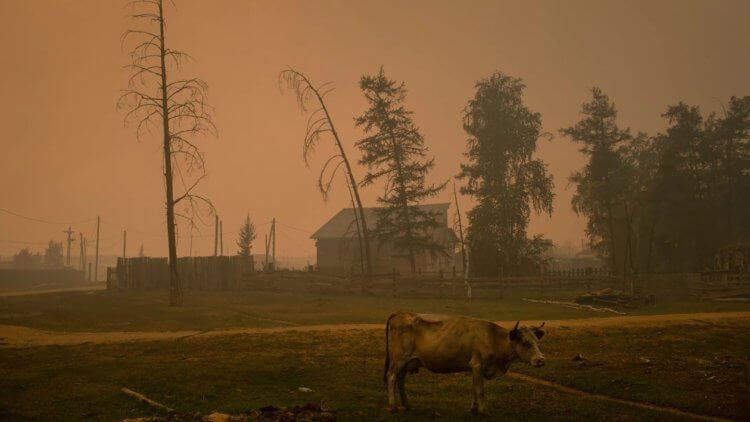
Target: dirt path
{"type": "Point", "coordinates": [642, 405]}
{"type": "Point", "coordinates": [90, 288]}
{"type": "Point", "coordinates": [17, 336]}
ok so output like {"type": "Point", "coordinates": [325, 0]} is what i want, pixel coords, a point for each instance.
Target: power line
{"type": "Point", "coordinates": [295, 228]}
{"type": "Point", "coordinates": [39, 220]}
{"type": "Point", "coordinates": [22, 242]}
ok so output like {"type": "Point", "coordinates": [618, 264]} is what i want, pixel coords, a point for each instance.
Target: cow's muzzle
{"type": "Point", "coordinates": [537, 362]}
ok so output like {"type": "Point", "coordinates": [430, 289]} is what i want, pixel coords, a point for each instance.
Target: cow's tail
{"type": "Point", "coordinates": [387, 349]}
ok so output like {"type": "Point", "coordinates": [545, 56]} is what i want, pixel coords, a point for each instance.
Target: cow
{"type": "Point", "coordinates": [449, 344]}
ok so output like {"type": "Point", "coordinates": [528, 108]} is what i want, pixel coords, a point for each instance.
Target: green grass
{"type": "Point", "coordinates": [236, 373]}
{"type": "Point", "coordinates": [148, 311]}
{"type": "Point", "coordinates": [702, 368]}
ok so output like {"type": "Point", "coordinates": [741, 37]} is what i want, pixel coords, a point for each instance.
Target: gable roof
{"type": "Point", "coordinates": [343, 223]}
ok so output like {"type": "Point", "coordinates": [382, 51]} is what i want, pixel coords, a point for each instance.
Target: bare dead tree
{"type": "Point", "coordinates": [319, 124]}
{"type": "Point", "coordinates": [177, 109]}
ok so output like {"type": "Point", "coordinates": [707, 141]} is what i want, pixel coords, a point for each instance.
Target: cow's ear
{"type": "Point", "coordinates": [539, 333]}
{"type": "Point", "coordinates": [515, 335]}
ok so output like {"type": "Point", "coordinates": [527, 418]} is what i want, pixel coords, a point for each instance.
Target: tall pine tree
{"type": "Point", "coordinates": [394, 150]}
{"type": "Point", "coordinates": [604, 183]}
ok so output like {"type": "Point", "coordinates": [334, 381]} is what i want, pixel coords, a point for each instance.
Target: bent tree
{"type": "Point", "coordinates": [319, 124]}
{"type": "Point", "coordinates": [176, 108]}
{"type": "Point", "coordinates": [394, 150]}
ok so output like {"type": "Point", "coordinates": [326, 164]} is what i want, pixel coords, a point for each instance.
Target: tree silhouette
{"type": "Point", "coordinates": [177, 108]}
{"type": "Point", "coordinates": [504, 178]}
{"type": "Point", "coordinates": [246, 237]}
{"type": "Point", "coordinates": [394, 150]}
{"type": "Point", "coordinates": [319, 124]}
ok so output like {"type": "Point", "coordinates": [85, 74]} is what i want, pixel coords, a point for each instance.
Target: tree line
{"type": "Point", "coordinates": [52, 258]}
{"type": "Point", "coordinates": [664, 202]}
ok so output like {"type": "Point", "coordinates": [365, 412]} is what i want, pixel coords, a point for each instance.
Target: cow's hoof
{"type": "Point", "coordinates": [393, 410]}
{"type": "Point", "coordinates": [406, 408]}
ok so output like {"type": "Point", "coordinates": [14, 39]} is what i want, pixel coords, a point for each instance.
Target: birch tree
{"type": "Point", "coordinates": [504, 178]}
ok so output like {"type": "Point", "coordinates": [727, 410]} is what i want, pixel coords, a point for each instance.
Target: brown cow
{"type": "Point", "coordinates": [446, 344]}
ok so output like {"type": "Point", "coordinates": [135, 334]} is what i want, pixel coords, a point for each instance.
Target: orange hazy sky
{"type": "Point", "coordinates": [67, 157]}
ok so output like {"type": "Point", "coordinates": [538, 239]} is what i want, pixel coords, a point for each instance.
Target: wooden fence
{"type": "Point", "coordinates": [570, 283]}
{"type": "Point", "coordinates": [196, 273]}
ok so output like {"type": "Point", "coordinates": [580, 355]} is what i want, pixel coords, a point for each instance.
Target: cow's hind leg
{"type": "Point", "coordinates": [396, 378]}
{"type": "Point", "coordinates": [400, 382]}
{"type": "Point", "coordinates": [391, 380]}
{"type": "Point", "coordinates": [411, 367]}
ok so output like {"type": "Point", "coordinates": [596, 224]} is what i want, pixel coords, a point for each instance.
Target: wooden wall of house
{"type": "Point", "coordinates": [343, 255]}
{"type": "Point", "coordinates": [337, 254]}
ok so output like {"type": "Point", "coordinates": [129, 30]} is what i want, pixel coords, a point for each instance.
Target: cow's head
{"type": "Point", "coordinates": [524, 341]}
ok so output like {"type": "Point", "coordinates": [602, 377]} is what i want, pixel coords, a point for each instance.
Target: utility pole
{"type": "Point", "coordinates": [82, 255]}
{"type": "Point", "coordinates": [69, 232]}
{"type": "Point", "coordinates": [86, 256]}
{"type": "Point", "coordinates": [96, 257]}
{"type": "Point", "coordinates": [221, 237]}
{"type": "Point", "coordinates": [273, 238]}
{"type": "Point", "coordinates": [124, 243]}
{"type": "Point", "coordinates": [266, 243]}
{"type": "Point", "coordinates": [216, 236]}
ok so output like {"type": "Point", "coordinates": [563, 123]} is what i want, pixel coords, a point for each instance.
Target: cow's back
{"type": "Point", "coordinates": [443, 343]}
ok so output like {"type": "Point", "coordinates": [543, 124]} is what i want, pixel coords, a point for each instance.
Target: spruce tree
{"type": "Point", "coordinates": [246, 237]}
{"type": "Point", "coordinates": [394, 150]}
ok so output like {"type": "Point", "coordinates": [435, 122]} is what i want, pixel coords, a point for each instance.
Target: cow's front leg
{"type": "Point", "coordinates": [400, 382]}
{"type": "Point", "coordinates": [478, 406]}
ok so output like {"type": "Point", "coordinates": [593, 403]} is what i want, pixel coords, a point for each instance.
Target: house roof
{"type": "Point", "coordinates": [343, 224]}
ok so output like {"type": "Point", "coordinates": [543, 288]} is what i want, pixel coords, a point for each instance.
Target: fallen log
{"type": "Point", "coordinates": [143, 399]}
{"type": "Point", "coordinates": [574, 305]}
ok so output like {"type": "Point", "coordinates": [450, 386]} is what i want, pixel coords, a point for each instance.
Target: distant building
{"type": "Point", "coordinates": [578, 260]}
{"type": "Point", "coordinates": [338, 249]}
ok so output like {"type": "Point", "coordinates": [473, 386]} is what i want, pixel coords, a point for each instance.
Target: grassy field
{"type": "Point", "coordinates": [117, 311]}
{"type": "Point", "coordinates": [699, 366]}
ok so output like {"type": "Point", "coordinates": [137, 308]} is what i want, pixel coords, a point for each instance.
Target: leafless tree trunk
{"type": "Point", "coordinates": [460, 231]}
{"type": "Point", "coordinates": [319, 123]}
{"type": "Point", "coordinates": [177, 108]}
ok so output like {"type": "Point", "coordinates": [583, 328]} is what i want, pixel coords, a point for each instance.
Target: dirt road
{"type": "Point", "coordinates": [16, 336]}
{"type": "Point", "coordinates": [94, 287]}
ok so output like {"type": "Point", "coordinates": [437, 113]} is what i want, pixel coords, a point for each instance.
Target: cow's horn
{"type": "Point", "coordinates": [516, 327]}
{"type": "Point", "coordinates": [542, 326]}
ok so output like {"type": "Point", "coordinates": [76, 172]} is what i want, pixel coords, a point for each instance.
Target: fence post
{"type": "Point", "coordinates": [395, 286]}
{"type": "Point", "coordinates": [440, 277]}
